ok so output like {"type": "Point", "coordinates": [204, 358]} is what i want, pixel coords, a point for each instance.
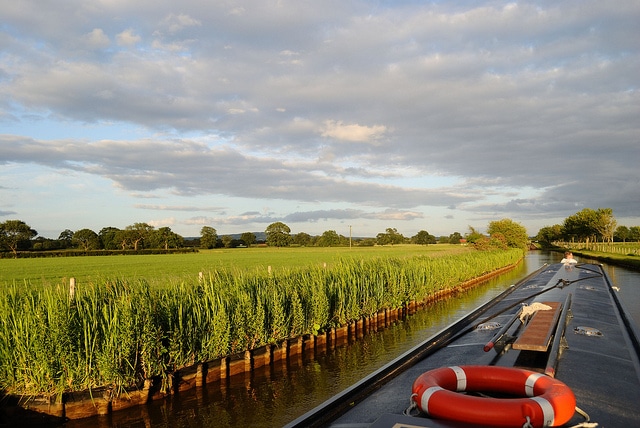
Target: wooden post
{"type": "Point", "coordinates": [248, 359]}
{"type": "Point", "coordinates": [224, 368]}
{"type": "Point", "coordinates": [201, 374]}
{"type": "Point", "coordinates": [200, 276]}
{"type": "Point", "coordinates": [72, 287]}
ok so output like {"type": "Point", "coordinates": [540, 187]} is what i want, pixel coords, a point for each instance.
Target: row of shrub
{"type": "Point", "coordinates": [118, 333]}
{"type": "Point", "coordinates": [78, 253]}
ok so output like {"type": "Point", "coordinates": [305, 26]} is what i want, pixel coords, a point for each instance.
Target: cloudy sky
{"type": "Point", "coordinates": [324, 115]}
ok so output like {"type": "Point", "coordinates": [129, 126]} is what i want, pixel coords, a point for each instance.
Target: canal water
{"type": "Point", "coordinates": [278, 395]}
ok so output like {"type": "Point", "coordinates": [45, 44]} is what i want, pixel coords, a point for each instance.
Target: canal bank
{"type": "Point", "coordinates": [270, 357]}
{"type": "Point", "coordinates": [267, 398]}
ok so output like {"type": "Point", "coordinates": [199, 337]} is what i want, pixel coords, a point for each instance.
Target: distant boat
{"type": "Point", "coordinates": [556, 349]}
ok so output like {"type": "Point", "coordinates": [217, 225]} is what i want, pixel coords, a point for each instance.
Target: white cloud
{"type": "Point", "coordinates": [339, 109]}
{"type": "Point", "coordinates": [97, 39]}
{"type": "Point", "coordinates": [353, 132]}
{"type": "Point", "coordinates": [188, 208]}
{"type": "Point", "coordinates": [399, 215]}
{"type": "Point", "coordinates": [165, 222]}
{"type": "Point", "coordinates": [128, 38]}
{"type": "Point", "coordinates": [177, 22]}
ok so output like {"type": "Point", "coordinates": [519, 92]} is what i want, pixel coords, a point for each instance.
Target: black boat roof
{"type": "Point", "coordinates": [591, 346]}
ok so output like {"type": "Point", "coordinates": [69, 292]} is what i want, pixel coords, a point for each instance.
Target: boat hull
{"type": "Point", "coordinates": [590, 346]}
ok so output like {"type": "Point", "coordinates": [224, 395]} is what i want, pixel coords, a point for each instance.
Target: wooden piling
{"type": "Point", "coordinates": [342, 335]}
{"type": "Point", "coordinates": [321, 341]}
{"type": "Point", "coordinates": [280, 352]}
{"type": "Point", "coordinates": [261, 356]}
{"type": "Point", "coordinates": [224, 368]}
{"type": "Point", "coordinates": [72, 288]}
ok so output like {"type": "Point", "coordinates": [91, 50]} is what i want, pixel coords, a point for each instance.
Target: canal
{"type": "Point", "coordinates": [277, 395]}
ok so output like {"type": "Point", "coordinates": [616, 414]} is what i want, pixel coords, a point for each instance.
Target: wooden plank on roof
{"type": "Point", "coordinates": [537, 334]}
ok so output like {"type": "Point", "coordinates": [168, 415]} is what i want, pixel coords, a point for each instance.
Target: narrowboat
{"type": "Point", "coordinates": [555, 349]}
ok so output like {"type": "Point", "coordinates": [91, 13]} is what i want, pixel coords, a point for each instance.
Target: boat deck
{"type": "Point", "coordinates": [586, 343]}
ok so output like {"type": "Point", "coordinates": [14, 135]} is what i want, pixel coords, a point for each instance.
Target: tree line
{"type": "Point", "coordinates": [587, 226]}
{"type": "Point", "coordinates": [278, 234]}
{"type": "Point", "coordinates": [16, 235]}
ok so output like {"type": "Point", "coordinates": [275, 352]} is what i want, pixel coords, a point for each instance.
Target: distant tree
{"type": "Point", "coordinates": [138, 233]}
{"type": "Point", "coordinates": [42, 243]}
{"type": "Point", "coordinates": [589, 225]}
{"type": "Point", "coordinates": [249, 238]}
{"type": "Point", "coordinates": [622, 233]}
{"type": "Point", "coordinates": [278, 235]}
{"type": "Point", "coordinates": [366, 242]}
{"type": "Point", "coordinates": [14, 233]}
{"type": "Point", "coordinates": [165, 238]}
{"type": "Point", "coordinates": [87, 239]}
{"type": "Point", "coordinates": [396, 237]}
{"type": "Point", "coordinates": [455, 238]}
{"type": "Point", "coordinates": [513, 234]}
{"type": "Point", "coordinates": [482, 242]}
{"type": "Point", "coordinates": [124, 238]}
{"type": "Point", "coordinates": [605, 224]}
{"type": "Point", "coordinates": [473, 236]}
{"type": "Point", "coordinates": [227, 240]}
{"type": "Point", "coordinates": [208, 237]}
{"type": "Point", "coordinates": [303, 239]}
{"type": "Point", "coordinates": [383, 239]}
{"type": "Point", "coordinates": [581, 226]}
{"type": "Point", "coordinates": [391, 236]}
{"type": "Point", "coordinates": [550, 234]}
{"type": "Point", "coordinates": [66, 238]}
{"type": "Point", "coordinates": [423, 238]}
{"type": "Point", "coordinates": [634, 233]}
{"type": "Point", "coordinates": [109, 238]}
{"type": "Point", "coordinates": [329, 238]}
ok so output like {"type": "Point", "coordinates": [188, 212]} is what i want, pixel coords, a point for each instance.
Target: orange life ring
{"type": "Point", "coordinates": [542, 400]}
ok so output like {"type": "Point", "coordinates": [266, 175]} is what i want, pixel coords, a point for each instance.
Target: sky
{"type": "Point", "coordinates": [352, 116]}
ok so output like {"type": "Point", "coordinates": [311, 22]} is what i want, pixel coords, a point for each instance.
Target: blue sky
{"type": "Point", "coordinates": [324, 115]}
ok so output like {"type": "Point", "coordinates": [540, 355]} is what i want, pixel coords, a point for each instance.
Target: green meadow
{"type": "Point", "coordinates": [173, 268]}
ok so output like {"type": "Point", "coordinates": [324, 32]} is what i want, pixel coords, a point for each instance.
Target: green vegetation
{"type": "Point", "coordinates": [117, 331]}
{"type": "Point", "coordinates": [208, 237]}
{"type": "Point", "coordinates": [588, 226]}
{"type": "Point", "coordinates": [620, 253]}
{"type": "Point", "coordinates": [278, 235]}
{"type": "Point", "coordinates": [167, 269]}
{"type": "Point", "coordinates": [142, 238]}
{"type": "Point", "coordinates": [595, 234]}
{"type": "Point", "coordinates": [503, 234]}
{"type": "Point", "coordinates": [13, 232]}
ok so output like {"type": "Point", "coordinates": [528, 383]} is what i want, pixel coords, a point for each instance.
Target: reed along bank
{"type": "Point", "coordinates": [116, 343]}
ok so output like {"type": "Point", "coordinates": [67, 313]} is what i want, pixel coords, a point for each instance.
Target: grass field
{"type": "Point", "coordinates": [172, 268]}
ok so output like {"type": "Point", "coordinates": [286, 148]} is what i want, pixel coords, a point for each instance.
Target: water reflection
{"type": "Point", "coordinates": [279, 394]}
